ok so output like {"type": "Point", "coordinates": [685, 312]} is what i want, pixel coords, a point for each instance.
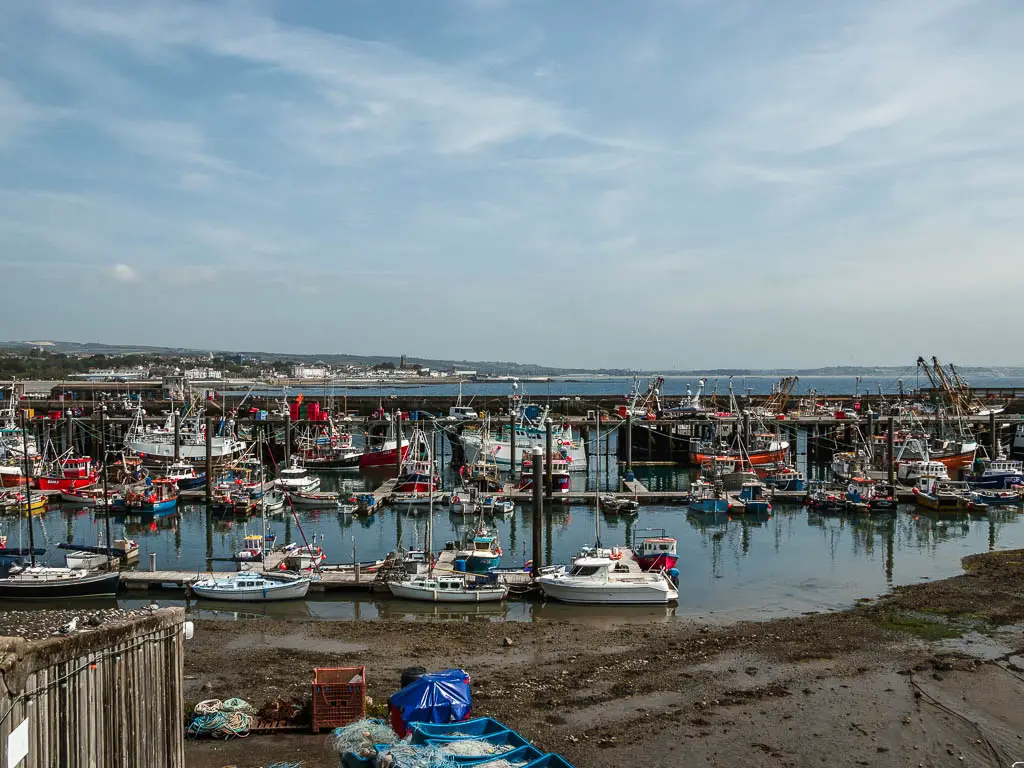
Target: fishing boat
{"type": "Point", "coordinates": [447, 589]}
{"type": "Point", "coordinates": [754, 498]}
{"type": "Point", "coordinates": [158, 443]}
{"type": "Point", "coordinates": [656, 553]}
{"type": "Point", "coordinates": [252, 587]}
{"type": "Point", "coordinates": [826, 500]}
{"type": "Point", "coordinates": [184, 475]}
{"type": "Point", "coordinates": [707, 498]}
{"type": "Point", "coordinates": [849, 464]}
{"type": "Point", "coordinates": [483, 554]}
{"type": "Point", "coordinates": [85, 557]}
{"type": "Point", "coordinates": [528, 425]}
{"type": "Point", "coordinates": [255, 546]}
{"type": "Point", "coordinates": [161, 495]}
{"type": "Point", "coordinates": [320, 499]}
{"type": "Point", "coordinates": [602, 581]}
{"type": "Point", "coordinates": [619, 504]}
{"type": "Point", "coordinates": [382, 451]}
{"type": "Point", "coordinates": [303, 557]}
{"type": "Point", "coordinates": [912, 473]}
{"type": "Point", "coordinates": [561, 476]}
{"type": "Point", "coordinates": [69, 474]}
{"type": "Point", "coordinates": [995, 474]}
{"type": "Point", "coordinates": [464, 501]}
{"type": "Point", "coordinates": [35, 582]}
{"type": "Point", "coordinates": [15, 502]}
{"type": "Point", "coordinates": [785, 478]}
{"type": "Point", "coordinates": [763, 449]}
{"type": "Point", "coordinates": [297, 479]}
{"type": "Point", "coordinates": [944, 495]}
{"type": "Point", "coordinates": [996, 497]}
{"type": "Point", "coordinates": [496, 505]}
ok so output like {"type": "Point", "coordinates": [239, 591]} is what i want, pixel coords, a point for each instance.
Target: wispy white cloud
{"type": "Point", "coordinates": [16, 113]}
{"type": "Point", "coordinates": [123, 273]}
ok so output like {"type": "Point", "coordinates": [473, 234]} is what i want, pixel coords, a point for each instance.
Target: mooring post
{"type": "Point", "coordinates": [890, 460]}
{"type": "Point", "coordinates": [549, 477]}
{"type": "Point", "coordinates": [177, 436]}
{"type": "Point", "coordinates": [994, 440]}
{"type": "Point", "coordinates": [152, 561]}
{"type": "Point", "coordinates": [746, 428]}
{"type": "Point", "coordinates": [71, 429]}
{"type": "Point", "coordinates": [209, 459]}
{"type": "Point", "coordinates": [538, 511]}
{"type": "Point", "coordinates": [870, 434]}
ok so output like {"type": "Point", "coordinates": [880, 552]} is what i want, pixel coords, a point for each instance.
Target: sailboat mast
{"type": "Point", "coordinates": [103, 451]}
{"type": "Point", "coordinates": [430, 504]}
{"type": "Point", "coordinates": [263, 502]}
{"type": "Point", "coordinates": [28, 489]}
{"type": "Point", "coordinates": [597, 489]}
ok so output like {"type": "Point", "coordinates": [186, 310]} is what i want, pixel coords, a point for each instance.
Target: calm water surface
{"type": "Point", "coordinates": [787, 563]}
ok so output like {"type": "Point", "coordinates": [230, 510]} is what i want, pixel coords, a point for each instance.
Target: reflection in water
{"type": "Point", "coordinates": [791, 561]}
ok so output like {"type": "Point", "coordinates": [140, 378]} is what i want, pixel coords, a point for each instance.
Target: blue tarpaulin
{"type": "Point", "coordinates": [439, 697]}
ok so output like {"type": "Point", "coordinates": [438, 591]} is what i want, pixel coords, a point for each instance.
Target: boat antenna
{"type": "Point", "coordinates": [28, 490]}
{"type": "Point", "coordinates": [106, 497]}
{"type": "Point", "coordinates": [263, 500]}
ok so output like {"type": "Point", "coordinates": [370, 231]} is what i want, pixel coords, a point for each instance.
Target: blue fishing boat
{"type": "Point", "coordinates": [996, 473]}
{"type": "Point", "coordinates": [707, 499]}
{"type": "Point", "coordinates": [754, 496]}
{"type": "Point", "coordinates": [483, 554]}
{"type": "Point", "coordinates": [999, 497]}
{"type": "Point", "coordinates": [785, 479]}
{"type": "Point", "coordinates": [161, 496]}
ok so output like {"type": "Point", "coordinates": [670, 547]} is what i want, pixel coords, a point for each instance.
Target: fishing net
{"type": "Point", "coordinates": [360, 736]}
{"type": "Point", "coordinates": [404, 755]}
{"type": "Point", "coordinates": [221, 719]}
{"type": "Point", "coordinates": [476, 748]}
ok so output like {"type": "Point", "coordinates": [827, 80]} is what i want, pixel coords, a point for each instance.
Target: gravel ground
{"type": "Point", "coordinates": [38, 625]}
{"type": "Point", "coordinates": [927, 676]}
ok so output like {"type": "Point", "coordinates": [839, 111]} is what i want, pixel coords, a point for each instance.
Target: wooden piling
{"type": "Point", "coordinates": [512, 442]}
{"type": "Point", "coordinates": [629, 442]}
{"type": "Point", "coordinates": [994, 439]}
{"type": "Point", "coordinates": [177, 436]}
{"type": "Point", "coordinates": [890, 459]}
{"type": "Point", "coordinates": [548, 456]}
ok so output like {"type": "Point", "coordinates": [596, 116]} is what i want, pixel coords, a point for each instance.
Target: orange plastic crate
{"type": "Point", "coordinates": [339, 696]}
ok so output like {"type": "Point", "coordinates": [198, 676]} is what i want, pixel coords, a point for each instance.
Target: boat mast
{"type": "Point", "coordinates": [597, 489]}
{"type": "Point", "coordinates": [28, 490]}
{"type": "Point", "coordinates": [106, 497]}
{"type": "Point", "coordinates": [263, 502]}
{"type": "Point", "coordinates": [430, 507]}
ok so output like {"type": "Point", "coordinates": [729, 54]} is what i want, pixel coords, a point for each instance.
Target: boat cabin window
{"type": "Point", "coordinates": [585, 570]}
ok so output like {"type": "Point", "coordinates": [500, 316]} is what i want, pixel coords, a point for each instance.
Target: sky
{"type": "Point", "coordinates": [653, 184]}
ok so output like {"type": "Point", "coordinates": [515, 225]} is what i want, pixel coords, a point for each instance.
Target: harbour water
{"type": "Point", "coordinates": [785, 563]}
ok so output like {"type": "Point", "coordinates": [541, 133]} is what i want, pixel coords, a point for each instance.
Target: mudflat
{"type": "Point", "coordinates": [929, 675]}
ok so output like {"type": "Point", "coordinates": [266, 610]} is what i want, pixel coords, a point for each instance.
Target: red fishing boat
{"type": "Point", "coordinates": [656, 554]}
{"type": "Point", "coordinates": [384, 454]}
{"type": "Point", "coordinates": [74, 474]}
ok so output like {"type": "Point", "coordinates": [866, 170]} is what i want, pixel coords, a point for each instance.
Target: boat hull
{"type": "Point", "coordinates": [658, 562]}
{"type": "Point", "coordinates": [623, 593]}
{"type": "Point", "coordinates": [481, 563]}
{"type": "Point", "coordinates": [286, 591]}
{"type": "Point", "coordinates": [91, 585]}
{"type": "Point", "coordinates": [65, 483]}
{"type": "Point", "coordinates": [379, 459]}
{"type": "Point", "coordinates": [757, 458]}
{"type": "Point", "coordinates": [425, 594]}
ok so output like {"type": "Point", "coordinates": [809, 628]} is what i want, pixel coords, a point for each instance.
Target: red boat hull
{"type": "Point", "coordinates": [659, 562]}
{"type": "Point", "coordinates": [66, 483]}
{"type": "Point", "coordinates": [382, 458]}
{"type": "Point", "coordinates": [15, 481]}
{"type": "Point", "coordinates": [757, 458]}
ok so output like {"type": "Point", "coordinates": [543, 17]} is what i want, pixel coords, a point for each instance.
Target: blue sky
{"type": "Point", "coordinates": [656, 184]}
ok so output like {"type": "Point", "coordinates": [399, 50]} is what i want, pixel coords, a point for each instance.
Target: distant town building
{"type": "Point", "coordinates": [203, 374]}
{"type": "Point", "coordinates": [467, 374]}
{"type": "Point", "coordinates": [310, 372]}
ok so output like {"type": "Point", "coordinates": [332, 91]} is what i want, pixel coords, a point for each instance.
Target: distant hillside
{"type": "Point", "coordinates": [487, 367]}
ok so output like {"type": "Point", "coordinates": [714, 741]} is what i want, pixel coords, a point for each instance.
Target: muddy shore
{"type": "Point", "coordinates": [929, 675]}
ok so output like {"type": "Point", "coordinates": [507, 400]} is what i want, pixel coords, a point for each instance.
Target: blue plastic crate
{"type": "Point", "coordinates": [472, 729]}
{"type": "Point", "coordinates": [550, 760]}
{"type": "Point", "coordinates": [501, 738]}
{"type": "Point", "coordinates": [517, 755]}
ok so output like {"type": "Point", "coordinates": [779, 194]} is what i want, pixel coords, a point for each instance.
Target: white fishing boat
{"type": "Point", "coordinates": [603, 581]}
{"type": "Point", "coordinates": [529, 433]}
{"type": "Point", "coordinates": [322, 499]}
{"type": "Point", "coordinates": [158, 442]}
{"type": "Point", "coordinates": [252, 587]}
{"type": "Point", "coordinates": [447, 589]}
{"type": "Point", "coordinates": [295, 479]}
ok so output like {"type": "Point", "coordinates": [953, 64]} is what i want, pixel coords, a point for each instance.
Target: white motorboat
{"type": "Point", "coordinates": [347, 509]}
{"type": "Point", "coordinates": [272, 501]}
{"type": "Point", "coordinates": [158, 442]}
{"type": "Point", "coordinates": [91, 558]}
{"type": "Point", "coordinates": [320, 499]}
{"type": "Point", "coordinates": [251, 587]}
{"type": "Point", "coordinates": [598, 580]}
{"type": "Point", "coordinates": [447, 589]}
{"type": "Point", "coordinates": [295, 479]}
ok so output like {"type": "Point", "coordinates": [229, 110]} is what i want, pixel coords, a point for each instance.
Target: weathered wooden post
{"type": "Point", "coordinates": [398, 443]}
{"type": "Point", "coordinates": [994, 439]}
{"type": "Point", "coordinates": [538, 511]}
{"type": "Point", "coordinates": [177, 436]}
{"type": "Point", "coordinates": [629, 442]}
{"type": "Point", "coordinates": [512, 442]}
